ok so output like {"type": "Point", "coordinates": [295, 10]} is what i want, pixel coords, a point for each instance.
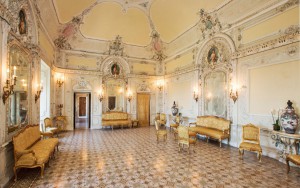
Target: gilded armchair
{"type": "Point", "coordinates": [49, 127]}
{"type": "Point", "coordinates": [184, 138]}
{"type": "Point", "coordinates": [250, 140]}
{"type": "Point", "coordinates": [176, 124]}
{"type": "Point", "coordinates": [294, 159]}
{"type": "Point", "coordinates": [160, 133]}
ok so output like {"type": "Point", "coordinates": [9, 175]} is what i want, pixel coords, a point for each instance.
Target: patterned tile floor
{"type": "Point", "coordinates": [132, 158]}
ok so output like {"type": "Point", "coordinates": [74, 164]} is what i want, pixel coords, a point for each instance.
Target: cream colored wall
{"type": "Point", "coordinates": [273, 85]}
{"type": "Point", "coordinates": [79, 62]}
{"type": "Point", "coordinates": [271, 25]}
{"type": "Point", "coordinates": [178, 62]}
{"type": "Point", "coordinates": [141, 68]}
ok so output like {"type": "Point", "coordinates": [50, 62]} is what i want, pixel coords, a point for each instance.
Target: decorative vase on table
{"type": "Point", "coordinates": [289, 119]}
{"type": "Point", "coordinates": [174, 109]}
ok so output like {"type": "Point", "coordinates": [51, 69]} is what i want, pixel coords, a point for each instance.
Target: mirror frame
{"type": "Point", "coordinates": [23, 51]}
{"type": "Point", "coordinates": [225, 99]}
{"type": "Point", "coordinates": [106, 99]}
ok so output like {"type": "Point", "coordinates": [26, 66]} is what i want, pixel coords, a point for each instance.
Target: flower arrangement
{"type": "Point", "coordinates": [276, 126]}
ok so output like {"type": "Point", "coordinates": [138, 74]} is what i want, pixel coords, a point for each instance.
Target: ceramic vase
{"type": "Point", "coordinates": [289, 119]}
{"type": "Point", "coordinates": [174, 109]}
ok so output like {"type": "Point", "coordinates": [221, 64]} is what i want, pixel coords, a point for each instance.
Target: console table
{"type": "Point", "coordinates": [288, 143]}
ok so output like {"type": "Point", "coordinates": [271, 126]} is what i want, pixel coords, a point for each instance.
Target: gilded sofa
{"type": "Point", "coordinates": [31, 151]}
{"type": "Point", "coordinates": [212, 127]}
{"type": "Point", "coordinates": [112, 119]}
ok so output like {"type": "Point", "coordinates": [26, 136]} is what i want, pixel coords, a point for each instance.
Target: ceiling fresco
{"type": "Point", "coordinates": [91, 25]}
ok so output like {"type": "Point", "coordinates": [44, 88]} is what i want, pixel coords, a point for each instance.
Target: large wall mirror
{"type": "Point", "coordinates": [19, 66]}
{"type": "Point", "coordinates": [215, 94]}
{"type": "Point", "coordinates": [115, 95]}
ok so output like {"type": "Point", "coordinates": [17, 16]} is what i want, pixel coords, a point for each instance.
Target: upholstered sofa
{"type": "Point", "coordinates": [112, 119]}
{"type": "Point", "coordinates": [212, 127]}
{"type": "Point", "coordinates": [30, 150]}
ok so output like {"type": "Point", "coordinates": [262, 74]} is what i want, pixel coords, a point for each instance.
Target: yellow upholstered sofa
{"type": "Point", "coordinates": [212, 127]}
{"type": "Point", "coordinates": [111, 119]}
{"type": "Point", "coordinates": [30, 150]}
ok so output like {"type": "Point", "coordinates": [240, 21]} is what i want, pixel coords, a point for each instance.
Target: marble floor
{"type": "Point", "coordinates": [133, 158]}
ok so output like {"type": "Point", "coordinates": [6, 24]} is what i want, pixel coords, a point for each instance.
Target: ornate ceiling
{"type": "Point", "coordinates": [86, 24]}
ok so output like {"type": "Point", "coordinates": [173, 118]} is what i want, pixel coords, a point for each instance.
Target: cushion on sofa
{"type": "Point", "coordinates": [214, 133]}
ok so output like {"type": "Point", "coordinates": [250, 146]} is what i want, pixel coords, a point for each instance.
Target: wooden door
{"type": "Point", "coordinates": [143, 109]}
{"type": "Point", "coordinates": [82, 106]}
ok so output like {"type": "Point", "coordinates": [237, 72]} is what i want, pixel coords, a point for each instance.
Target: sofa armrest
{"type": "Point", "coordinates": [192, 123]}
{"type": "Point", "coordinates": [20, 153]}
{"type": "Point", "coordinates": [49, 134]}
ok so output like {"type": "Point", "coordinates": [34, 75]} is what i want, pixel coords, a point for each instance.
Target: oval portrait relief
{"type": "Point", "coordinates": [115, 69]}
{"type": "Point", "coordinates": [213, 55]}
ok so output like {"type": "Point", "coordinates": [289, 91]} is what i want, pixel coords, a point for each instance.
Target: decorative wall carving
{"type": "Point", "coordinates": [116, 47]}
{"type": "Point", "coordinates": [209, 24]}
{"type": "Point", "coordinates": [157, 47]}
{"type": "Point", "coordinates": [288, 36]}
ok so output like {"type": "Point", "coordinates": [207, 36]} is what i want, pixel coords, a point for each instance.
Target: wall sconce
{"type": "Point", "coordinates": [129, 95]}
{"type": "Point", "coordinates": [195, 96]}
{"type": "Point", "coordinates": [233, 93]}
{"type": "Point", "coordinates": [8, 88]}
{"type": "Point", "coordinates": [38, 92]}
{"type": "Point", "coordinates": [100, 96]}
{"type": "Point", "coordinates": [60, 80]}
{"type": "Point", "coordinates": [160, 84]}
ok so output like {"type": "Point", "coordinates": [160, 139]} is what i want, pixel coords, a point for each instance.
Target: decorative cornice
{"type": "Point", "coordinates": [290, 35]}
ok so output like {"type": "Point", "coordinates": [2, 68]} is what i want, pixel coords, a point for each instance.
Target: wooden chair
{"type": "Point", "coordinates": [49, 127]}
{"type": "Point", "coordinates": [294, 159]}
{"type": "Point", "coordinates": [184, 139]}
{"type": "Point", "coordinates": [160, 133]}
{"type": "Point", "coordinates": [250, 140]}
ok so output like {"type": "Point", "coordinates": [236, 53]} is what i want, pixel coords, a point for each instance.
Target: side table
{"type": "Point", "coordinates": [135, 122]}
{"type": "Point", "coordinates": [288, 143]}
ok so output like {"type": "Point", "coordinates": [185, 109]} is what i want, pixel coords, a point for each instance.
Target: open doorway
{"type": "Point", "coordinates": [45, 94]}
{"type": "Point", "coordinates": [82, 110]}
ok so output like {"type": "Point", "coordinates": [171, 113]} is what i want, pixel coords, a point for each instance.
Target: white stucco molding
{"type": "Point", "coordinates": [110, 60]}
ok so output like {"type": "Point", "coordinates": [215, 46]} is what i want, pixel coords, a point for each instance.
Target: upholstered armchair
{"type": "Point", "coordinates": [294, 159]}
{"type": "Point", "coordinates": [184, 138]}
{"type": "Point", "coordinates": [176, 124]}
{"type": "Point", "coordinates": [250, 140]}
{"type": "Point", "coordinates": [160, 133]}
{"type": "Point", "coordinates": [49, 127]}
{"type": "Point", "coordinates": [162, 119]}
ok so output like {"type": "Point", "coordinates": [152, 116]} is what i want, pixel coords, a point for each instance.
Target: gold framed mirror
{"type": "Point", "coordinates": [18, 101]}
{"type": "Point", "coordinates": [116, 95]}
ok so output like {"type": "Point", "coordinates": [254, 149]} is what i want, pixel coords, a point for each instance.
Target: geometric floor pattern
{"type": "Point", "coordinates": [133, 158]}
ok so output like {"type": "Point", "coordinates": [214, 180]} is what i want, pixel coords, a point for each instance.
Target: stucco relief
{"type": "Point", "coordinates": [285, 37]}
{"type": "Point", "coordinates": [209, 24]}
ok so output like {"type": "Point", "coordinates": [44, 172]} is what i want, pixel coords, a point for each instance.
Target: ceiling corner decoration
{"type": "Point", "coordinates": [157, 47]}
{"type": "Point", "coordinates": [116, 47]}
{"type": "Point", "coordinates": [209, 24]}
{"type": "Point", "coordinates": [107, 20]}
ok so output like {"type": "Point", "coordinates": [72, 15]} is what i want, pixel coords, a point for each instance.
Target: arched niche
{"type": "Point", "coordinates": [114, 83]}
{"type": "Point", "coordinates": [216, 69]}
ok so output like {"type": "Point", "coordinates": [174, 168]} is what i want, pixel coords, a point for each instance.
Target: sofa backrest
{"type": "Point", "coordinates": [114, 116]}
{"type": "Point", "coordinates": [213, 122]}
{"type": "Point", "coordinates": [27, 137]}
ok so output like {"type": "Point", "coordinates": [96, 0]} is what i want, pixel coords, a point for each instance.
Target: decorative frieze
{"type": "Point", "coordinates": [288, 36]}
